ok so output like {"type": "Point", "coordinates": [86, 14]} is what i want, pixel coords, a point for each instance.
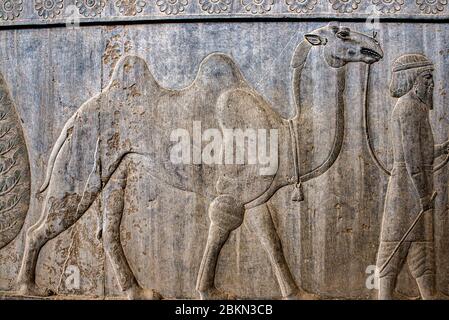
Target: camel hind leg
{"type": "Point", "coordinates": [59, 214]}
{"type": "Point", "coordinates": [71, 191]}
{"type": "Point", "coordinates": [114, 203]}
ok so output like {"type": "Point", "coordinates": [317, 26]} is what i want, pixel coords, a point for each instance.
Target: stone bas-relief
{"type": "Point", "coordinates": [14, 169]}
{"type": "Point", "coordinates": [156, 228]}
{"type": "Point", "coordinates": [407, 227]}
{"type": "Point", "coordinates": [223, 99]}
{"type": "Point", "coordinates": [51, 11]}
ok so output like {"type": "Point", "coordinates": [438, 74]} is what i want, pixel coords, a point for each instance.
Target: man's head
{"type": "Point", "coordinates": [413, 72]}
{"type": "Point", "coordinates": [342, 45]}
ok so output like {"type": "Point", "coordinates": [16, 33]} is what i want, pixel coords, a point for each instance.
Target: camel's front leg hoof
{"type": "Point", "coordinates": [139, 293]}
{"type": "Point", "coordinates": [302, 295]}
{"type": "Point", "coordinates": [215, 294]}
{"type": "Point", "coordinates": [32, 290]}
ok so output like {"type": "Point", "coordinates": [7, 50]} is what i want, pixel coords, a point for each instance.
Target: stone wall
{"type": "Point", "coordinates": [55, 58]}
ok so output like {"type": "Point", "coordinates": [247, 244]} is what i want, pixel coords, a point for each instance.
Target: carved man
{"type": "Point", "coordinates": [410, 187]}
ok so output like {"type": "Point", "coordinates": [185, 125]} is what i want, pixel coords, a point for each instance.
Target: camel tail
{"type": "Point", "coordinates": [55, 151]}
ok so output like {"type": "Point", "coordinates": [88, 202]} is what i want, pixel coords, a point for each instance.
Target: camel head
{"type": "Point", "coordinates": [341, 45]}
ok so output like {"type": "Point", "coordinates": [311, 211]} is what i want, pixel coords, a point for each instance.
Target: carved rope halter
{"type": "Point", "coordinates": [298, 194]}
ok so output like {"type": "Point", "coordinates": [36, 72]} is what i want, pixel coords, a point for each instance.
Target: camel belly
{"type": "Point", "coordinates": [206, 180]}
{"type": "Point", "coordinates": [180, 161]}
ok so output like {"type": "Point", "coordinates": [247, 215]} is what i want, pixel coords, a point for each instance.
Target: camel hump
{"type": "Point", "coordinates": [246, 120]}
{"type": "Point", "coordinates": [133, 73]}
{"type": "Point", "coordinates": [219, 72]}
{"type": "Point", "coordinates": [245, 107]}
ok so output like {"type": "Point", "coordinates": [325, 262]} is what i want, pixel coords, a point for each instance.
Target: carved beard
{"type": "Point", "coordinates": [425, 94]}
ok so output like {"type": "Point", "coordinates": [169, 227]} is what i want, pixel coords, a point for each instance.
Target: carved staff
{"type": "Point", "coordinates": [415, 222]}
{"type": "Point", "coordinates": [383, 168]}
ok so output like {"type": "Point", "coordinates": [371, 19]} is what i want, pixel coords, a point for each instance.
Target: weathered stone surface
{"type": "Point", "coordinates": [14, 170]}
{"type": "Point", "coordinates": [117, 216]}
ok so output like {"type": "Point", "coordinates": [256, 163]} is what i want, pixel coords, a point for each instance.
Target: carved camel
{"type": "Point", "coordinates": [129, 123]}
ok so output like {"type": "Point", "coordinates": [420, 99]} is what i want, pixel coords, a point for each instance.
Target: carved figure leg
{"type": "Point", "coordinates": [421, 260]}
{"type": "Point", "coordinates": [260, 222]}
{"type": "Point", "coordinates": [426, 285]}
{"type": "Point", "coordinates": [387, 284]}
{"type": "Point", "coordinates": [226, 215]}
{"type": "Point", "coordinates": [388, 277]}
{"type": "Point", "coordinates": [113, 211]}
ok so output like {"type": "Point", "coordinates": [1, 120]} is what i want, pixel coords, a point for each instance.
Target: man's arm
{"type": "Point", "coordinates": [441, 149]}
{"type": "Point", "coordinates": [410, 122]}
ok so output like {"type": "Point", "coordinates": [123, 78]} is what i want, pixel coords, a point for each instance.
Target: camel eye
{"type": "Point", "coordinates": [343, 34]}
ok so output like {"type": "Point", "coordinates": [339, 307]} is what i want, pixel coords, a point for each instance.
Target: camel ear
{"type": "Point", "coordinates": [314, 39]}
{"type": "Point", "coordinates": [300, 55]}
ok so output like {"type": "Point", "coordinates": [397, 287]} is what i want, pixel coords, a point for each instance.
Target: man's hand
{"type": "Point", "coordinates": [441, 149]}
{"type": "Point", "coordinates": [428, 203]}
{"type": "Point", "coordinates": [445, 147]}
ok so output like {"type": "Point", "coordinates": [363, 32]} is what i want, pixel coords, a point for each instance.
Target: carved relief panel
{"type": "Point", "coordinates": [239, 158]}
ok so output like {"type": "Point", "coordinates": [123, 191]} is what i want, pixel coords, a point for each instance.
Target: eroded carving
{"type": "Point", "coordinates": [431, 6]}
{"type": "Point", "coordinates": [301, 6]}
{"type": "Point", "coordinates": [90, 8]}
{"type": "Point", "coordinates": [49, 8]}
{"type": "Point", "coordinates": [10, 9]}
{"type": "Point", "coordinates": [130, 7]}
{"type": "Point", "coordinates": [345, 6]}
{"type": "Point", "coordinates": [257, 6]}
{"type": "Point", "coordinates": [14, 170]}
{"type": "Point", "coordinates": [215, 6]}
{"type": "Point", "coordinates": [172, 7]}
{"type": "Point", "coordinates": [219, 97]}
{"type": "Point", "coordinates": [388, 6]}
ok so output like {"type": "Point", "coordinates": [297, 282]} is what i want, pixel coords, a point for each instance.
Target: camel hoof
{"type": "Point", "coordinates": [302, 295]}
{"type": "Point", "coordinates": [215, 294]}
{"type": "Point", "coordinates": [139, 293]}
{"type": "Point", "coordinates": [32, 290]}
